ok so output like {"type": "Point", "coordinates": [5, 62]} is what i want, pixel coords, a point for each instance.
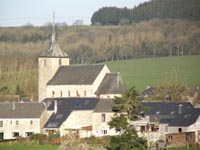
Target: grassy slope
{"type": "Point", "coordinates": [150, 71]}
{"type": "Point", "coordinates": [17, 146]}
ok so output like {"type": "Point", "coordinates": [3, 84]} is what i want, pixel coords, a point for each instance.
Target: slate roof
{"type": "Point", "coordinates": [111, 84]}
{"type": "Point", "coordinates": [165, 108]}
{"type": "Point", "coordinates": [104, 106]}
{"type": "Point", "coordinates": [65, 107]}
{"type": "Point", "coordinates": [76, 75]}
{"type": "Point", "coordinates": [21, 110]}
{"type": "Point", "coordinates": [187, 118]}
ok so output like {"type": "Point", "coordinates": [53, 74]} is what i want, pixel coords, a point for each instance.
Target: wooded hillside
{"type": "Point", "coordinates": [162, 9]}
{"type": "Point", "coordinates": [20, 46]}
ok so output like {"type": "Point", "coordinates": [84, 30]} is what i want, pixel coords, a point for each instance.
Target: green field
{"type": "Point", "coordinates": [151, 71]}
{"type": "Point", "coordinates": [17, 146]}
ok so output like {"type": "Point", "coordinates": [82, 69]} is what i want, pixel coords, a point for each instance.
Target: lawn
{"type": "Point", "coordinates": [184, 148]}
{"type": "Point", "coordinates": [17, 146]}
{"type": "Point", "coordinates": [151, 71]}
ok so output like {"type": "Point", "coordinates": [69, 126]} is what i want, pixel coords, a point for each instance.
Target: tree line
{"type": "Point", "coordinates": [162, 9]}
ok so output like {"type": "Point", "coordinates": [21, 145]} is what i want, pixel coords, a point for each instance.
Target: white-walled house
{"type": "Point", "coordinates": [70, 115]}
{"type": "Point", "coordinates": [101, 116]}
{"type": "Point", "coordinates": [21, 119]}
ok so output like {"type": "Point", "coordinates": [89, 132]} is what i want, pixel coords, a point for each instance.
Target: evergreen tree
{"type": "Point", "coordinates": [126, 108]}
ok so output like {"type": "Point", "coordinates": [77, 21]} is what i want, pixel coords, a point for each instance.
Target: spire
{"type": "Point", "coordinates": [53, 35]}
{"type": "Point", "coordinates": [53, 50]}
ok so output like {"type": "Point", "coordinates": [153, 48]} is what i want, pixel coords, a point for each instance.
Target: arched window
{"type": "Point", "coordinates": [69, 93]}
{"type": "Point", "coordinates": [85, 93]}
{"type": "Point", "coordinates": [53, 93]}
{"type": "Point", "coordinates": [77, 93]}
{"type": "Point", "coordinates": [60, 93]}
{"type": "Point", "coordinates": [60, 61]}
{"type": "Point", "coordinates": [45, 63]}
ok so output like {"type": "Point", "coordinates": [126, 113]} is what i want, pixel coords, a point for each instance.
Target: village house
{"type": "Point", "coordinates": [70, 115]}
{"type": "Point", "coordinates": [21, 119]}
{"type": "Point", "coordinates": [166, 120]}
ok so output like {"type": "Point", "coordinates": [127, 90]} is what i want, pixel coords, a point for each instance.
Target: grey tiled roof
{"type": "Point", "coordinates": [21, 110]}
{"type": "Point", "coordinates": [76, 75]}
{"type": "Point", "coordinates": [165, 108]}
{"type": "Point", "coordinates": [104, 106]}
{"type": "Point", "coordinates": [187, 118]}
{"type": "Point", "coordinates": [111, 84]}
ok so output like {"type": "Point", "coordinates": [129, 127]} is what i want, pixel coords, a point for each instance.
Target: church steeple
{"type": "Point", "coordinates": [54, 49]}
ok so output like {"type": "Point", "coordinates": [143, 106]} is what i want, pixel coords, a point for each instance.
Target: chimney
{"type": "Point", "coordinates": [180, 108]}
{"type": "Point", "coordinates": [55, 106]}
{"type": "Point", "coordinates": [13, 106]}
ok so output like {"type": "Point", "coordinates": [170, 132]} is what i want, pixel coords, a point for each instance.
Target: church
{"type": "Point", "coordinates": [57, 78]}
{"type": "Point", "coordinates": [72, 93]}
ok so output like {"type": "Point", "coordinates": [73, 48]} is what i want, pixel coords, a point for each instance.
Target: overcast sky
{"type": "Point", "coordinates": [39, 12]}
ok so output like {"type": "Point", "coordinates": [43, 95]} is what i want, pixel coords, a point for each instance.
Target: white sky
{"type": "Point", "coordinates": [39, 12]}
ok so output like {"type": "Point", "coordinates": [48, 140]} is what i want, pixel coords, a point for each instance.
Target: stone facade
{"type": "Point", "coordinates": [76, 90]}
{"type": "Point", "coordinates": [47, 68]}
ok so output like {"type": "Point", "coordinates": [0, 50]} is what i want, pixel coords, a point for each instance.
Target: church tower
{"type": "Point", "coordinates": [48, 63]}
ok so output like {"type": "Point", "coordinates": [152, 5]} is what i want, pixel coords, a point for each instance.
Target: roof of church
{"type": "Point", "coordinates": [76, 75]}
{"type": "Point", "coordinates": [111, 84]}
{"type": "Point", "coordinates": [54, 49]}
{"type": "Point", "coordinates": [21, 110]}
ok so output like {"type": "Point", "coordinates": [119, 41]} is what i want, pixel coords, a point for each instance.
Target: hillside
{"type": "Point", "coordinates": [20, 47]}
{"type": "Point", "coordinates": [145, 72]}
{"type": "Point", "coordinates": [162, 9]}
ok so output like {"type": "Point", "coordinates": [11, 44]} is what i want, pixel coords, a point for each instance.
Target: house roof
{"type": "Point", "coordinates": [104, 106]}
{"type": "Point", "coordinates": [76, 75]}
{"type": "Point", "coordinates": [21, 110]}
{"type": "Point", "coordinates": [111, 84]}
{"type": "Point", "coordinates": [56, 119]}
{"type": "Point", "coordinates": [187, 118]}
{"type": "Point", "coordinates": [165, 108]}
{"type": "Point", "coordinates": [65, 107]}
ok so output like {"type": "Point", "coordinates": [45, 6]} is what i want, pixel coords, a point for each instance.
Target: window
{"type": "Point", "coordinates": [104, 131]}
{"type": "Point", "coordinates": [84, 93]}
{"type": "Point", "coordinates": [1, 123]}
{"type": "Point", "coordinates": [69, 93]}
{"type": "Point", "coordinates": [60, 93]}
{"type": "Point", "coordinates": [31, 122]}
{"type": "Point", "coordinates": [142, 128]}
{"type": "Point", "coordinates": [10, 121]}
{"type": "Point", "coordinates": [45, 63]}
{"type": "Point", "coordinates": [28, 134]}
{"type": "Point", "coordinates": [170, 137]}
{"type": "Point", "coordinates": [77, 93]}
{"type": "Point", "coordinates": [17, 122]}
{"type": "Point", "coordinates": [103, 117]}
{"type": "Point", "coordinates": [53, 93]}
{"type": "Point", "coordinates": [179, 129]}
{"type": "Point", "coordinates": [15, 134]}
{"type": "Point", "coordinates": [60, 61]}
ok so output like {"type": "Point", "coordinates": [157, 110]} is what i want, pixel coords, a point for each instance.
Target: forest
{"type": "Point", "coordinates": [161, 9]}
